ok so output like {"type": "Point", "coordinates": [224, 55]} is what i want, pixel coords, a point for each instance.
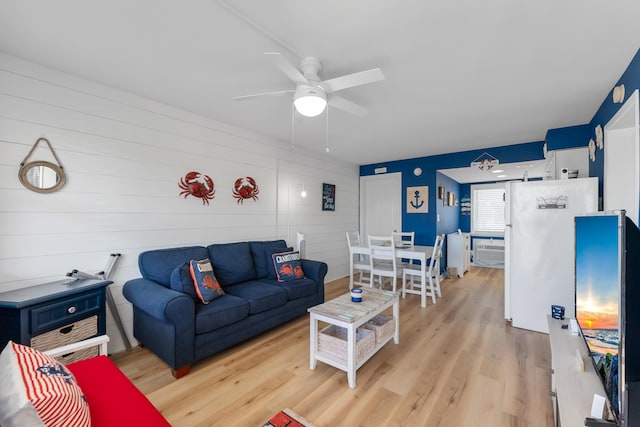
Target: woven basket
{"type": "Point", "coordinates": [71, 333]}
{"type": "Point", "coordinates": [383, 326]}
{"type": "Point", "coordinates": [333, 340]}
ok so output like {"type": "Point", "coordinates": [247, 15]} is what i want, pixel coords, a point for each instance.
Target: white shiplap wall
{"type": "Point", "coordinates": [123, 156]}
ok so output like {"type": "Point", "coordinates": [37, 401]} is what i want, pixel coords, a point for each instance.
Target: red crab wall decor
{"type": "Point", "coordinates": [191, 185]}
{"type": "Point", "coordinates": [245, 188]}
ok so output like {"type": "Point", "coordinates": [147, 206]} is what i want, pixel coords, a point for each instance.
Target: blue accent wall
{"type": "Point", "coordinates": [449, 215]}
{"type": "Point", "coordinates": [568, 137]}
{"type": "Point", "coordinates": [425, 225]}
{"type": "Point", "coordinates": [465, 220]}
{"type": "Point", "coordinates": [631, 80]}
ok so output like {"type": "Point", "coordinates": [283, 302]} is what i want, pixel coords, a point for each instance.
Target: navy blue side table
{"type": "Point", "coordinates": [35, 310]}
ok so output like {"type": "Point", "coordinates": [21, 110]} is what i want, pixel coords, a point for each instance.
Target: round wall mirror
{"type": "Point", "coordinates": [41, 176]}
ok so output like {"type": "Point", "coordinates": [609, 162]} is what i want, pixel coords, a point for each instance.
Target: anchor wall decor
{"type": "Point", "coordinates": [418, 199]}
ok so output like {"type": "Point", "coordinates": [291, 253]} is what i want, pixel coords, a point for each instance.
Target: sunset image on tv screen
{"type": "Point", "coordinates": [597, 282]}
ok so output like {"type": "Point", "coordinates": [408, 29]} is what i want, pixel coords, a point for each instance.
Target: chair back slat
{"type": "Point", "coordinates": [404, 238]}
{"type": "Point", "coordinates": [382, 248]}
{"type": "Point", "coordinates": [434, 262]}
{"type": "Point", "coordinates": [353, 238]}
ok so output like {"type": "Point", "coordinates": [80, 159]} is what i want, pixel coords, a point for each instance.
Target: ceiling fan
{"type": "Point", "coordinates": [311, 95]}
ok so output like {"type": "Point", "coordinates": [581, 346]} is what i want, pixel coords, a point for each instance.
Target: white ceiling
{"type": "Point", "coordinates": [460, 74]}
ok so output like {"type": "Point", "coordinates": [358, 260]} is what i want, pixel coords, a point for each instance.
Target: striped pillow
{"type": "Point", "coordinates": [38, 390]}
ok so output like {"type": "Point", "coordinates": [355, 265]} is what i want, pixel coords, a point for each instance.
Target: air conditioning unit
{"type": "Point", "coordinates": [488, 253]}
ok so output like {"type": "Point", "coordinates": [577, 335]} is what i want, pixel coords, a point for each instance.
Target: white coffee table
{"type": "Point", "coordinates": [342, 312]}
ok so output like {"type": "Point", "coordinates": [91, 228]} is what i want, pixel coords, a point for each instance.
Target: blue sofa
{"type": "Point", "coordinates": [170, 320]}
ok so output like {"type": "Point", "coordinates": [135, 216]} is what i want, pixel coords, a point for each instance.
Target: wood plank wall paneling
{"type": "Point", "coordinates": [123, 156]}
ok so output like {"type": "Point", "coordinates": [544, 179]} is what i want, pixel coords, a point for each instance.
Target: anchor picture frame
{"type": "Point", "coordinates": [418, 199]}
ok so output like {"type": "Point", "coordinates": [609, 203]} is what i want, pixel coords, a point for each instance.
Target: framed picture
{"type": "Point", "coordinates": [441, 193]}
{"type": "Point", "coordinates": [418, 199]}
{"type": "Point", "coordinates": [328, 197]}
{"type": "Point", "coordinates": [451, 199]}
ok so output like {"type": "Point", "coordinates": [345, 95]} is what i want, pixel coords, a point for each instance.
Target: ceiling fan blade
{"type": "Point", "coordinates": [348, 106]}
{"type": "Point", "coordinates": [288, 69]}
{"type": "Point", "coordinates": [255, 95]}
{"type": "Point", "coordinates": [351, 80]}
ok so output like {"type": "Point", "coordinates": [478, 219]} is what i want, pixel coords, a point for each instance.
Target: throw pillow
{"type": "Point", "coordinates": [38, 390]}
{"type": "Point", "coordinates": [268, 253]}
{"type": "Point", "coordinates": [288, 266]}
{"type": "Point", "coordinates": [205, 282]}
{"type": "Point", "coordinates": [182, 281]}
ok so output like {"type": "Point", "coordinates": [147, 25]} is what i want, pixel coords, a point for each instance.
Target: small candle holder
{"type": "Point", "coordinates": [356, 295]}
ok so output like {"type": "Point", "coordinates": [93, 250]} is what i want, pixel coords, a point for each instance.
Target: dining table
{"type": "Point", "coordinates": [413, 253]}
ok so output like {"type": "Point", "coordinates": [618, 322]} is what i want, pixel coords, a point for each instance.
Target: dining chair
{"type": "Point", "coordinates": [432, 276]}
{"type": "Point", "coordinates": [361, 265]}
{"type": "Point", "coordinates": [382, 258]}
{"type": "Point", "coordinates": [434, 270]}
{"type": "Point", "coordinates": [404, 239]}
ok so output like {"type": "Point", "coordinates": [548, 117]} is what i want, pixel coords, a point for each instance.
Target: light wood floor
{"type": "Point", "coordinates": [458, 364]}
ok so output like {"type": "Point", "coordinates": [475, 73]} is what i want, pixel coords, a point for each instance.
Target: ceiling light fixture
{"type": "Point", "coordinates": [310, 101]}
{"type": "Point", "coordinates": [497, 171]}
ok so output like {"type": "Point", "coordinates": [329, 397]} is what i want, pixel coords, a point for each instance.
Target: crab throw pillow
{"type": "Point", "coordinates": [287, 266]}
{"type": "Point", "coordinates": [204, 281]}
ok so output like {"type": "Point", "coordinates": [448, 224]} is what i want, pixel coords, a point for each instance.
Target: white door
{"type": "Point", "coordinates": [380, 204]}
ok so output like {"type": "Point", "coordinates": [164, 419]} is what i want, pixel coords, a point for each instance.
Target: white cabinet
{"type": "Point", "coordinates": [561, 162]}
{"type": "Point", "coordinates": [459, 252]}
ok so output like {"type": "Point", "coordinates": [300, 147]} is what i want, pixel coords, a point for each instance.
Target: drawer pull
{"type": "Point", "coordinates": [72, 309]}
{"type": "Point", "coordinates": [66, 329]}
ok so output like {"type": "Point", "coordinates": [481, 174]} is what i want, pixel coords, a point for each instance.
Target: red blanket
{"type": "Point", "coordinates": [113, 399]}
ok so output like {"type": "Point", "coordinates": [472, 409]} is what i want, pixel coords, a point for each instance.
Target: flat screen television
{"type": "Point", "coordinates": [607, 262]}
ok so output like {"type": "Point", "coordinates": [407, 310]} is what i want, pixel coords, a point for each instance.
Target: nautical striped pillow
{"type": "Point", "coordinates": [34, 386]}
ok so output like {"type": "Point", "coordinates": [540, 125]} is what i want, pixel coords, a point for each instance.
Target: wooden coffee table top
{"type": "Point", "coordinates": [343, 309]}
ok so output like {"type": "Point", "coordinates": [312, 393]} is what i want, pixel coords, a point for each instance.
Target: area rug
{"type": "Point", "coordinates": [287, 418]}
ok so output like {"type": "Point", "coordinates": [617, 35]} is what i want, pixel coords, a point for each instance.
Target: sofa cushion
{"type": "Point", "coordinates": [232, 262]}
{"type": "Point", "coordinates": [260, 295]}
{"type": "Point", "coordinates": [182, 281]}
{"type": "Point", "coordinates": [296, 289]}
{"type": "Point", "coordinates": [287, 266]}
{"type": "Point", "coordinates": [204, 281]}
{"type": "Point", "coordinates": [157, 265]}
{"type": "Point", "coordinates": [223, 311]}
{"type": "Point", "coordinates": [261, 253]}
{"type": "Point", "coordinates": [38, 390]}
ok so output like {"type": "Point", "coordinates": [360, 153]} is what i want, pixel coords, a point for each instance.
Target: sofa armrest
{"type": "Point", "coordinates": [314, 270]}
{"type": "Point", "coordinates": [163, 320]}
{"type": "Point", "coordinates": [159, 302]}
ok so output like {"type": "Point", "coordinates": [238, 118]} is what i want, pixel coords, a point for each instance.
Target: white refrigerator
{"type": "Point", "coordinates": [539, 247]}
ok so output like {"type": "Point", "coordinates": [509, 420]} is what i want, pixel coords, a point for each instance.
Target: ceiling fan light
{"type": "Point", "coordinates": [310, 101]}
